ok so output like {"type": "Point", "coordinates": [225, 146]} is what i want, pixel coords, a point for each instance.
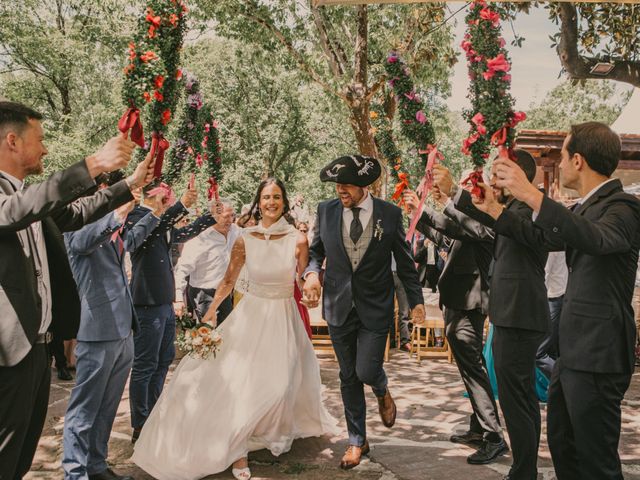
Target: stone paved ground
{"type": "Point", "coordinates": [430, 408]}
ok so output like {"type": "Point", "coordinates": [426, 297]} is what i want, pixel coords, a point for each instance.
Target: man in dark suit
{"type": "Point", "coordinates": [153, 291]}
{"type": "Point", "coordinates": [464, 299]}
{"type": "Point", "coordinates": [357, 235]}
{"type": "Point", "coordinates": [36, 286]}
{"type": "Point", "coordinates": [519, 312]}
{"type": "Point", "coordinates": [596, 338]}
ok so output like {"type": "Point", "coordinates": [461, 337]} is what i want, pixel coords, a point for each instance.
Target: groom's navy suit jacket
{"type": "Point", "coordinates": [369, 288]}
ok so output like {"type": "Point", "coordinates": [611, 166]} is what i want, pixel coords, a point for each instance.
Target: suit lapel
{"type": "Point", "coordinates": [338, 220]}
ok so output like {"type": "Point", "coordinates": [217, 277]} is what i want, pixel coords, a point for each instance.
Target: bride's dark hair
{"type": "Point", "coordinates": [255, 206]}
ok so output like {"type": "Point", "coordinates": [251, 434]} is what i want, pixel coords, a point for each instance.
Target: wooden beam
{"type": "Point", "coordinates": [317, 3]}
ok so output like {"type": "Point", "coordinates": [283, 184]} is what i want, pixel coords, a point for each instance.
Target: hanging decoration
{"type": "Point", "coordinates": [187, 148]}
{"type": "Point", "coordinates": [414, 121]}
{"type": "Point", "coordinates": [382, 129]}
{"type": "Point", "coordinates": [152, 74]}
{"type": "Point", "coordinates": [212, 152]}
{"type": "Point", "coordinates": [491, 118]}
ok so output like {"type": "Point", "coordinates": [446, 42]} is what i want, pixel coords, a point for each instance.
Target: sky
{"type": "Point", "coordinates": [535, 65]}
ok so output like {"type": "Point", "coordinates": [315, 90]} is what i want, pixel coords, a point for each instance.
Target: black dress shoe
{"type": "Point", "coordinates": [109, 474]}
{"type": "Point", "coordinates": [64, 374]}
{"type": "Point", "coordinates": [488, 452]}
{"type": "Point", "coordinates": [468, 438]}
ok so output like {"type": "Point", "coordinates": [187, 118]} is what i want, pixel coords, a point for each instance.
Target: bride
{"type": "Point", "coordinates": [263, 390]}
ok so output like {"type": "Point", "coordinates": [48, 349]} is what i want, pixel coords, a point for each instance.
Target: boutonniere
{"type": "Point", "coordinates": [378, 230]}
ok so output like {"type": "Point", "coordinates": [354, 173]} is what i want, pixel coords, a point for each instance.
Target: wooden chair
{"type": "Point", "coordinates": [320, 338]}
{"type": "Point", "coordinates": [422, 341]}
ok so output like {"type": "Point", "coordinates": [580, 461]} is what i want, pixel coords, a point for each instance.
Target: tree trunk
{"type": "Point", "coordinates": [579, 67]}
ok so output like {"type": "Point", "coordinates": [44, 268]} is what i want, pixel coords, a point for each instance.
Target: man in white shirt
{"type": "Point", "coordinates": [204, 261]}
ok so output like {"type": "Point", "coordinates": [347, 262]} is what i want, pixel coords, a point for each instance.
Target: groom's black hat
{"type": "Point", "coordinates": [352, 169]}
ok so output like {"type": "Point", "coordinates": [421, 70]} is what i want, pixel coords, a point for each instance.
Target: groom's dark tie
{"type": "Point", "coordinates": [355, 231]}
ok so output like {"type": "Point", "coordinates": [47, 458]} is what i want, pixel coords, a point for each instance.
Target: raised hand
{"type": "Point", "coordinates": [438, 196]}
{"type": "Point", "coordinates": [488, 203]}
{"type": "Point", "coordinates": [114, 154]}
{"type": "Point", "coordinates": [411, 200]}
{"type": "Point", "coordinates": [122, 211]}
{"type": "Point", "coordinates": [442, 179]}
{"type": "Point", "coordinates": [510, 175]}
{"type": "Point", "coordinates": [143, 173]}
{"type": "Point", "coordinates": [189, 197]}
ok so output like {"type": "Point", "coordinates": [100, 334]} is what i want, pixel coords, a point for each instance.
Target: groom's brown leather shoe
{"type": "Point", "coordinates": [353, 455]}
{"type": "Point", "coordinates": [387, 408]}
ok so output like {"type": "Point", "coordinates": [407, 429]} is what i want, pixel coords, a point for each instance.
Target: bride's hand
{"type": "Point", "coordinates": [210, 317]}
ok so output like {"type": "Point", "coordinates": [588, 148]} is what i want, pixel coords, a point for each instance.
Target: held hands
{"type": "Point", "coordinates": [114, 154]}
{"type": "Point", "coordinates": [418, 315]}
{"type": "Point", "coordinates": [311, 290]}
{"type": "Point", "coordinates": [157, 203]}
{"type": "Point", "coordinates": [189, 197]}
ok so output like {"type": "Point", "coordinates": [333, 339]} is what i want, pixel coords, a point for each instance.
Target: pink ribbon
{"type": "Point", "coordinates": [163, 188]}
{"type": "Point", "coordinates": [213, 189]}
{"type": "Point", "coordinates": [425, 186]}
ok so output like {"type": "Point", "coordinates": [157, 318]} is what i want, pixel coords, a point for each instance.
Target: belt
{"type": "Point", "coordinates": [43, 338]}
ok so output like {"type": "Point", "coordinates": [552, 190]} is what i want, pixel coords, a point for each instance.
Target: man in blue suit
{"type": "Point", "coordinates": [357, 235]}
{"type": "Point", "coordinates": [105, 344]}
{"type": "Point", "coordinates": [153, 291]}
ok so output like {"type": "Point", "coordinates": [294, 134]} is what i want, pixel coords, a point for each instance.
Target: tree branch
{"type": "Point", "coordinates": [325, 43]}
{"type": "Point", "coordinates": [361, 49]}
{"type": "Point", "coordinates": [579, 67]}
{"type": "Point", "coordinates": [294, 53]}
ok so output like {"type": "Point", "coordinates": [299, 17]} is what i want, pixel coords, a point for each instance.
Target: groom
{"type": "Point", "coordinates": [357, 235]}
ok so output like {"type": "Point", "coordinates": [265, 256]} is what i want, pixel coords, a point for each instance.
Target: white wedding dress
{"type": "Point", "coordinates": [263, 390]}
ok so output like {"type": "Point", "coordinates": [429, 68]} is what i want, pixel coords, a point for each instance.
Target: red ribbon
{"type": "Point", "coordinates": [130, 121]}
{"type": "Point", "coordinates": [474, 178]}
{"type": "Point", "coordinates": [116, 238]}
{"type": "Point", "coordinates": [499, 137]}
{"type": "Point", "coordinates": [425, 186]}
{"type": "Point", "coordinates": [401, 186]}
{"type": "Point", "coordinates": [159, 145]}
{"type": "Point", "coordinates": [213, 189]}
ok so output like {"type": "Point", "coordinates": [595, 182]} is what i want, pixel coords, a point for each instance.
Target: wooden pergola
{"type": "Point", "coordinates": [545, 146]}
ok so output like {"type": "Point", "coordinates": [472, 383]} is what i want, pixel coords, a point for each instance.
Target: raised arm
{"type": "Point", "coordinates": [90, 237]}
{"type": "Point", "coordinates": [613, 232]}
{"type": "Point", "coordinates": [230, 277]}
{"type": "Point", "coordinates": [195, 228]}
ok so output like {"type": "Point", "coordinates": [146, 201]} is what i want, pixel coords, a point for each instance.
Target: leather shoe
{"type": "Point", "coordinates": [109, 474]}
{"type": "Point", "coordinates": [488, 452]}
{"type": "Point", "coordinates": [387, 408]}
{"type": "Point", "coordinates": [405, 347]}
{"type": "Point", "coordinates": [64, 374]}
{"type": "Point", "coordinates": [474, 439]}
{"type": "Point", "coordinates": [353, 455]}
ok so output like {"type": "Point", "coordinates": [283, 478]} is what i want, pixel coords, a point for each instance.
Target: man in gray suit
{"type": "Point", "coordinates": [36, 286]}
{"type": "Point", "coordinates": [105, 343]}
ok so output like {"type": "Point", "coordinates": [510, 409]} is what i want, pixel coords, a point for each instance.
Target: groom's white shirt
{"type": "Point", "coordinates": [366, 210]}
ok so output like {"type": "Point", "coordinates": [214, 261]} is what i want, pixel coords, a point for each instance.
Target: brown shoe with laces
{"type": "Point", "coordinates": [387, 408]}
{"type": "Point", "coordinates": [353, 455]}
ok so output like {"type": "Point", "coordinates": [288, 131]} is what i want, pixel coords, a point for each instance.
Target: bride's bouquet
{"type": "Point", "coordinates": [198, 340]}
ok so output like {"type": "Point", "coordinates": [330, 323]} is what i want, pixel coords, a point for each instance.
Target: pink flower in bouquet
{"type": "Point", "coordinates": [421, 117]}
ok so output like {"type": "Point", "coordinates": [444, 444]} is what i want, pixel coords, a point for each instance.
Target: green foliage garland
{"type": "Point", "coordinates": [212, 151]}
{"type": "Point", "coordinates": [188, 146]}
{"type": "Point", "coordinates": [415, 124]}
{"type": "Point", "coordinates": [491, 117]}
{"type": "Point", "coordinates": [383, 134]}
{"type": "Point", "coordinates": [152, 75]}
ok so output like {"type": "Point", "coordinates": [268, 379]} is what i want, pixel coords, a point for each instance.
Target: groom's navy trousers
{"type": "Point", "coordinates": [360, 353]}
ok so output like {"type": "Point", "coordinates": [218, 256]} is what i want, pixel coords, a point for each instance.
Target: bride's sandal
{"type": "Point", "coordinates": [241, 473]}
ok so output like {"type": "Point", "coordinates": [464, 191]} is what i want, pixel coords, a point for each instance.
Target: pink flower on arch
{"type": "Point", "coordinates": [490, 15]}
{"type": "Point", "coordinates": [421, 117]}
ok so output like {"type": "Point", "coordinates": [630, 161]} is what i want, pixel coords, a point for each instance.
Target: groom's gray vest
{"type": "Point", "coordinates": [356, 252]}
